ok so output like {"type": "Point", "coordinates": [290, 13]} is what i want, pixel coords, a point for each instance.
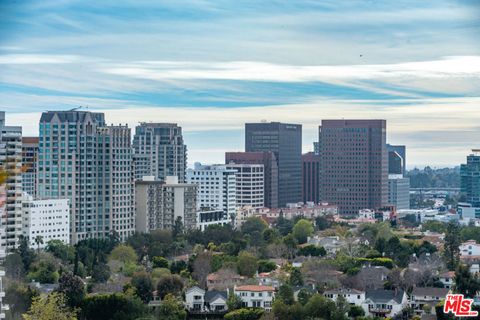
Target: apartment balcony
{"type": "Point", "coordinates": [2, 315]}
{"type": "Point", "coordinates": [2, 294]}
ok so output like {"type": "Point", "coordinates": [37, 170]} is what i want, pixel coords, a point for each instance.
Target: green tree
{"type": "Point", "coordinates": [271, 235]}
{"type": "Point", "coordinates": [19, 297]}
{"type": "Point", "coordinates": [266, 266]}
{"type": "Point", "coordinates": [142, 282]}
{"type": "Point", "coordinates": [287, 312]}
{"type": "Point", "coordinates": [178, 266]}
{"type": "Point", "coordinates": [319, 307]}
{"type": "Point", "coordinates": [296, 278]}
{"type": "Point", "coordinates": [341, 309]}
{"type": "Point", "coordinates": [124, 253]}
{"type": "Point", "coordinates": [160, 262]}
{"type": "Point", "coordinates": [254, 224]}
{"type": "Point", "coordinates": [72, 287]}
{"type": "Point", "coordinates": [14, 268]}
{"type": "Point", "coordinates": [171, 308]}
{"type": "Point", "coordinates": [27, 254]}
{"type": "Point", "coordinates": [38, 241]}
{"type": "Point", "coordinates": [322, 223]}
{"type": "Point", "coordinates": [304, 296]}
{"type": "Point", "coordinates": [356, 312]}
{"type": "Point", "coordinates": [101, 272]}
{"type": "Point", "coordinates": [234, 302]}
{"type": "Point", "coordinates": [172, 284]}
{"type": "Point", "coordinates": [50, 307]}
{"type": "Point", "coordinates": [285, 294]}
{"type": "Point", "coordinates": [302, 230]}
{"type": "Point", "coordinates": [466, 283]}
{"type": "Point", "coordinates": [112, 307]}
{"type": "Point", "coordinates": [244, 314]}
{"type": "Point", "coordinates": [247, 264]}
{"type": "Point", "coordinates": [452, 243]}
{"type": "Point", "coordinates": [60, 250]}
{"type": "Point", "coordinates": [44, 269]}
{"type": "Point", "coordinates": [312, 250]}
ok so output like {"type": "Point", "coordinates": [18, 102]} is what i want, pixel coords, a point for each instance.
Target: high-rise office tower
{"type": "Point", "coordinates": [11, 193]}
{"type": "Point", "coordinates": [310, 177]}
{"type": "Point", "coordinates": [470, 179]}
{"type": "Point", "coordinates": [285, 141]}
{"type": "Point", "coordinates": [216, 187]}
{"type": "Point", "coordinates": [159, 151]}
{"type": "Point", "coordinates": [354, 164]}
{"type": "Point", "coordinates": [270, 172]}
{"type": "Point", "coordinates": [84, 160]}
{"type": "Point", "coordinates": [29, 164]}
{"type": "Point", "coordinates": [250, 182]}
{"type": "Point", "coordinates": [397, 159]}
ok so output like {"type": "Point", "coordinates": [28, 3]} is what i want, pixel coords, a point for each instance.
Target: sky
{"type": "Point", "coordinates": [211, 66]}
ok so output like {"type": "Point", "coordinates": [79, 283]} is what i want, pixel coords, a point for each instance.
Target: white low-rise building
{"type": "Point", "coordinates": [46, 218]}
{"type": "Point", "coordinates": [352, 296]}
{"type": "Point", "coordinates": [384, 303]}
{"type": "Point", "coordinates": [199, 300]}
{"type": "Point", "coordinates": [470, 249]}
{"type": "Point", "coordinates": [254, 296]}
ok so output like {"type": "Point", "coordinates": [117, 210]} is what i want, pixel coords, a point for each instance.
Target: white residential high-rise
{"type": "Point", "coordinates": [3, 307]}
{"type": "Point", "coordinates": [216, 187]}
{"type": "Point", "coordinates": [160, 203]}
{"type": "Point", "coordinates": [11, 163]}
{"type": "Point", "coordinates": [82, 159]}
{"type": "Point", "coordinates": [48, 219]}
{"type": "Point", "coordinates": [250, 182]}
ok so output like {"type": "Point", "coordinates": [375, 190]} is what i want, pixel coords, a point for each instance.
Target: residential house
{"type": "Point", "coordinates": [352, 296]}
{"type": "Point", "coordinates": [254, 296]}
{"type": "Point", "coordinates": [216, 301]}
{"type": "Point", "coordinates": [199, 300]}
{"type": "Point", "coordinates": [308, 288]}
{"type": "Point", "coordinates": [425, 298]}
{"type": "Point", "coordinates": [331, 244]}
{"type": "Point", "coordinates": [384, 303]}
{"type": "Point", "coordinates": [447, 278]}
{"type": "Point", "coordinates": [470, 250]}
{"type": "Point", "coordinates": [269, 279]}
{"type": "Point", "coordinates": [195, 299]}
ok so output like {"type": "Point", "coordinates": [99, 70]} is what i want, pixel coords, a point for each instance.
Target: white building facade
{"type": "Point", "coordinates": [11, 162]}
{"type": "Point", "coordinates": [216, 187]}
{"type": "Point", "coordinates": [254, 296]}
{"type": "Point", "coordinates": [48, 219]}
{"type": "Point", "coordinates": [159, 204]}
{"type": "Point", "coordinates": [250, 184]}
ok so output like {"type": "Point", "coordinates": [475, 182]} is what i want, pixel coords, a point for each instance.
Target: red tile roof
{"type": "Point", "coordinates": [254, 288]}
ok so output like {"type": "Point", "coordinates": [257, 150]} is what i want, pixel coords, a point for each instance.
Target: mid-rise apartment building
{"type": "Point", "coordinates": [470, 179]}
{"type": "Point", "coordinates": [45, 220]}
{"type": "Point", "coordinates": [250, 184]}
{"type": "Point", "coordinates": [216, 187]}
{"type": "Point", "coordinates": [270, 172]}
{"type": "Point", "coordinates": [160, 204]}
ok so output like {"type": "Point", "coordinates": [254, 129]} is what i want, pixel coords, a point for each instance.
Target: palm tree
{"type": "Point", "coordinates": [38, 241]}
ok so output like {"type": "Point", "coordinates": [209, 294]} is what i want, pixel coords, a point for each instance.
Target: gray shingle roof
{"type": "Point", "coordinates": [383, 296]}
{"type": "Point", "coordinates": [430, 291]}
{"type": "Point", "coordinates": [210, 296]}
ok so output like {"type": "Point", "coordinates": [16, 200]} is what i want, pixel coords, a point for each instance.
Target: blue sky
{"type": "Point", "coordinates": [213, 65]}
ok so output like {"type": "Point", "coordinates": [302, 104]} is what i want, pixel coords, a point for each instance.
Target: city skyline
{"type": "Point", "coordinates": [414, 64]}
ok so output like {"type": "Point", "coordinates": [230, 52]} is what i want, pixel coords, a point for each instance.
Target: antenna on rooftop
{"type": "Point", "coordinates": [77, 108]}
